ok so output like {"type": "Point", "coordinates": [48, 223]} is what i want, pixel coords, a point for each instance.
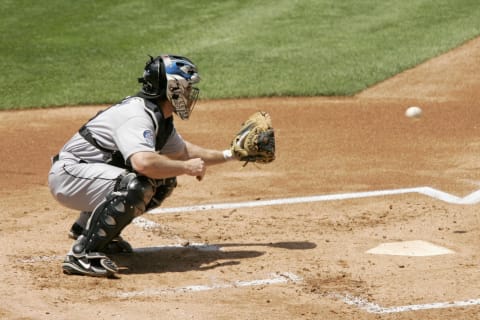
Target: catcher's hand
{"type": "Point", "coordinates": [255, 142]}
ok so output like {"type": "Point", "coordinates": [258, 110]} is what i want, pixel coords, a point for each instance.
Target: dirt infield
{"type": "Point", "coordinates": [351, 174]}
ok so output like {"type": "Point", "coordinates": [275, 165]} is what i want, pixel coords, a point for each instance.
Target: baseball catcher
{"type": "Point", "coordinates": [125, 161]}
{"type": "Point", "coordinates": [255, 142]}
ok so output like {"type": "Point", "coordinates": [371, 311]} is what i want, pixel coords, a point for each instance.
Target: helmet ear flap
{"type": "Point", "coordinates": [154, 79]}
{"type": "Point", "coordinates": [143, 79]}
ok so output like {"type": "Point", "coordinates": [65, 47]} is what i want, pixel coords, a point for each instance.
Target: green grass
{"type": "Point", "coordinates": [63, 52]}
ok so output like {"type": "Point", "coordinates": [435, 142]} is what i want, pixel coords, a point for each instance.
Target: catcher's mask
{"type": "Point", "coordinates": [172, 77]}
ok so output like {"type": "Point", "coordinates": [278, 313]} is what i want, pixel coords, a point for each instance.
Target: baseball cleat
{"type": "Point", "coordinates": [93, 264]}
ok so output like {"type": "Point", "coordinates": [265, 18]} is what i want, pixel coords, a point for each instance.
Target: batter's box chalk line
{"type": "Point", "coordinates": [371, 307]}
{"type": "Point", "coordinates": [276, 278]}
{"type": "Point", "coordinates": [472, 198]}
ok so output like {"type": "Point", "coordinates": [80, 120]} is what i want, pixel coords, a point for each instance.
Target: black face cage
{"type": "Point", "coordinates": [193, 97]}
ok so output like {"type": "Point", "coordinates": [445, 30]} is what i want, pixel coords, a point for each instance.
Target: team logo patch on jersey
{"type": "Point", "coordinates": [148, 135]}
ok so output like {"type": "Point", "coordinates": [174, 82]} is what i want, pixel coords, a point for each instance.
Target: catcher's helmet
{"type": "Point", "coordinates": [172, 77]}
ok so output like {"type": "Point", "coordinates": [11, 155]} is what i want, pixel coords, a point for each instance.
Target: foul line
{"type": "Point", "coordinates": [371, 307]}
{"type": "Point", "coordinates": [472, 198]}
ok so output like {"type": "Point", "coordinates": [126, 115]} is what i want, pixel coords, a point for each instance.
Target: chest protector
{"type": "Point", "coordinates": [163, 127]}
{"type": "Point", "coordinates": [163, 130]}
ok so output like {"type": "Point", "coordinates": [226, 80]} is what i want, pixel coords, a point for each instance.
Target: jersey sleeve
{"type": "Point", "coordinates": [137, 134]}
{"type": "Point", "coordinates": [174, 144]}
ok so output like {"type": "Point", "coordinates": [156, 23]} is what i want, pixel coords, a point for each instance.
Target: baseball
{"type": "Point", "coordinates": [414, 112]}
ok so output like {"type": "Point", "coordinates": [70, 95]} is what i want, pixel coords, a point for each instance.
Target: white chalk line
{"type": "Point", "coordinates": [371, 307]}
{"type": "Point", "coordinates": [37, 259]}
{"type": "Point", "coordinates": [277, 278]}
{"type": "Point", "coordinates": [145, 223]}
{"type": "Point", "coordinates": [472, 198]}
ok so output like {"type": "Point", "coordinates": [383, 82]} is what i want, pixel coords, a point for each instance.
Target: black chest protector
{"type": "Point", "coordinates": [163, 130]}
{"type": "Point", "coordinates": [163, 127]}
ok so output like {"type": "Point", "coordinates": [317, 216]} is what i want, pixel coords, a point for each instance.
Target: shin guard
{"type": "Point", "coordinates": [128, 201]}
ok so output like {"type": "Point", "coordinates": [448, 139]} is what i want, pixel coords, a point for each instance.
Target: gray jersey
{"type": "Point", "coordinates": [126, 127]}
{"type": "Point", "coordinates": [82, 177]}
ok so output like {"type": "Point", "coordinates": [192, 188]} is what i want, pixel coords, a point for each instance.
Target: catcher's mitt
{"type": "Point", "coordinates": [255, 142]}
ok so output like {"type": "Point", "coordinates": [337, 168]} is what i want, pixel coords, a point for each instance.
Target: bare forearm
{"type": "Point", "coordinates": [210, 156]}
{"type": "Point", "coordinates": [157, 166]}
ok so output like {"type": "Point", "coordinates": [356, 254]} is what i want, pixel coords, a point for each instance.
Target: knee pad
{"type": "Point", "coordinates": [128, 200]}
{"type": "Point", "coordinates": [163, 189]}
{"type": "Point", "coordinates": [137, 190]}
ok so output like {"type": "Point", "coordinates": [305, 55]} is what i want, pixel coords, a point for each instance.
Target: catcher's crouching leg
{"type": "Point", "coordinates": [128, 201]}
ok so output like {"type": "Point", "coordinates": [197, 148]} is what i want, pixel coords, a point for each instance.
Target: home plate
{"type": "Point", "coordinates": [415, 248]}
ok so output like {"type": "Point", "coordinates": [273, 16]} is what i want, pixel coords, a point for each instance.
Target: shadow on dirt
{"type": "Point", "coordinates": [194, 257]}
{"type": "Point", "coordinates": [290, 245]}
